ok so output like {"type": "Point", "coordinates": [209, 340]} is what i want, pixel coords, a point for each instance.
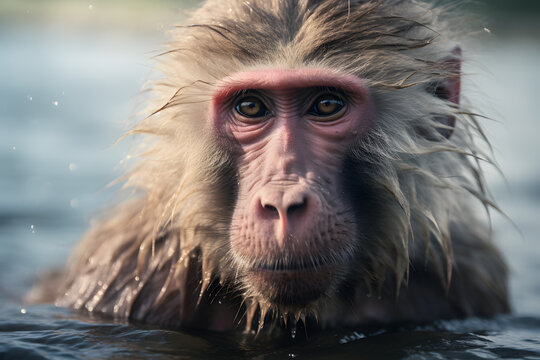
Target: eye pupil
{"type": "Point", "coordinates": [251, 107]}
{"type": "Point", "coordinates": [327, 105]}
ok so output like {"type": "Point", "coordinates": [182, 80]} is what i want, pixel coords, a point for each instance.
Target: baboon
{"type": "Point", "coordinates": [302, 160]}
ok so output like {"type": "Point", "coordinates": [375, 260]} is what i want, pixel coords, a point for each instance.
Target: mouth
{"type": "Point", "coordinates": [292, 284]}
{"type": "Point", "coordinates": [291, 265]}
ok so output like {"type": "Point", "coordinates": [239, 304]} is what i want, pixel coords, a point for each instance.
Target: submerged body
{"type": "Point", "coordinates": [307, 160]}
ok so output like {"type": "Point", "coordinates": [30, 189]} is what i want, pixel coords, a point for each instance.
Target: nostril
{"type": "Point", "coordinates": [270, 208]}
{"type": "Point", "coordinates": [287, 206]}
{"type": "Point", "coordinates": [269, 211]}
{"type": "Point", "coordinates": [296, 208]}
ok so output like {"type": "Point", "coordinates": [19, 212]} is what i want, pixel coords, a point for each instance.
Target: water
{"type": "Point", "coordinates": [64, 98]}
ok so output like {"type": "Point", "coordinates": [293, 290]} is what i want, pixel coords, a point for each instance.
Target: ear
{"type": "Point", "coordinates": [449, 90]}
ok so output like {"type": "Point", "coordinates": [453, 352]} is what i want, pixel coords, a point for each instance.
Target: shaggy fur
{"type": "Point", "coordinates": [164, 256]}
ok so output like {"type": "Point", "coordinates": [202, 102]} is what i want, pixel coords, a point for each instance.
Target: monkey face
{"type": "Point", "coordinates": [293, 233]}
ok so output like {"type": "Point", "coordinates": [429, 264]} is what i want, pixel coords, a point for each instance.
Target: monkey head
{"type": "Point", "coordinates": [320, 129]}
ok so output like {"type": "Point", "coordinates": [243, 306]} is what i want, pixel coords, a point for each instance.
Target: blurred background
{"type": "Point", "coordinates": [70, 73]}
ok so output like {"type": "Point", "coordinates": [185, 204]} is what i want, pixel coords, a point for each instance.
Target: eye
{"type": "Point", "coordinates": [326, 105]}
{"type": "Point", "coordinates": [251, 107]}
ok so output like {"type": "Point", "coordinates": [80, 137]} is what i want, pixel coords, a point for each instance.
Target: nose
{"type": "Point", "coordinates": [291, 208]}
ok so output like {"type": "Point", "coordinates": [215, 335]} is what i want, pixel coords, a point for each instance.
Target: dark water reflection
{"type": "Point", "coordinates": [46, 331]}
{"type": "Point", "coordinates": [63, 97]}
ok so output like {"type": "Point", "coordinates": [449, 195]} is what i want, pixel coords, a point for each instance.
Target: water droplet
{"type": "Point", "coordinates": [137, 278]}
{"type": "Point", "coordinates": [14, 148]}
{"type": "Point", "coordinates": [55, 103]}
{"type": "Point", "coordinates": [23, 311]}
{"type": "Point", "coordinates": [293, 327]}
{"type": "Point", "coordinates": [219, 302]}
{"type": "Point", "coordinates": [90, 7]}
{"type": "Point", "coordinates": [291, 355]}
{"type": "Point", "coordinates": [30, 98]}
{"type": "Point", "coordinates": [72, 167]}
{"type": "Point", "coordinates": [74, 203]}
{"type": "Point", "coordinates": [487, 30]}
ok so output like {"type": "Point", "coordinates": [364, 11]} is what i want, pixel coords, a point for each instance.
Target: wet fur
{"type": "Point", "coordinates": [164, 256]}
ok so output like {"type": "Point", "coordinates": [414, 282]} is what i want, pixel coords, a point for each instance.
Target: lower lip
{"type": "Point", "coordinates": [292, 287]}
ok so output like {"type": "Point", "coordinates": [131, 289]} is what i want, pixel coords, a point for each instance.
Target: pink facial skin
{"type": "Point", "coordinates": [292, 231]}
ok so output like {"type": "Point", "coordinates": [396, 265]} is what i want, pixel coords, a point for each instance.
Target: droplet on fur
{"type": "Point", "coordinates": [23, 311]}
{"type": "Point", "coordinates": [487, 30]}
{"type": "Point", "coordinates": [293, 328]}
{"type": "Point", "coordinates": [263, 311]}
{"type": "Point", "coordinates": [55, 103]}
